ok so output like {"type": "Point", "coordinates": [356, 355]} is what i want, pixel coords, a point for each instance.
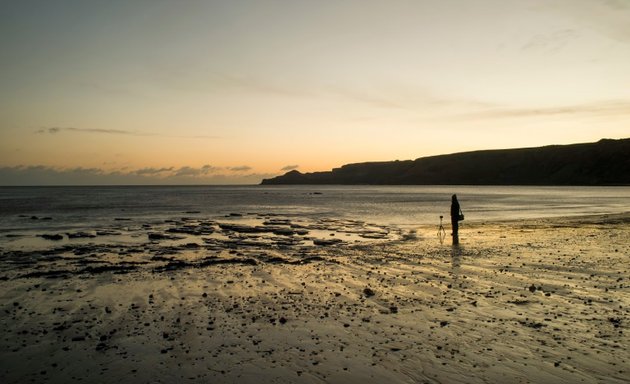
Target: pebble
{"type": "Point", "coordinates": [369, 292]}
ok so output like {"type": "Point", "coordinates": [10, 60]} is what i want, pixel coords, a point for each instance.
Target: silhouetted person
{"type": "Point", "coordinates": [455, 211]}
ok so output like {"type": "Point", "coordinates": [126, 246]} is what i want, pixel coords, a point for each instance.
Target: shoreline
{"type": "Point", "coordinates": [539, 300]}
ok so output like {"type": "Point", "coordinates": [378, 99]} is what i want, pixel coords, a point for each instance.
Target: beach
{"type": "Point", "coordinates": [255, 297]}
{"type": "Point", "coordinates": [315, 192]}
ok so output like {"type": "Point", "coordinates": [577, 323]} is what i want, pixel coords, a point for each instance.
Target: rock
{"type": "Point", "coordinates": [373, 235]}
{"type": "Point", "coordinates": [532, 324]}
{"type": "Point", "coordinates": [325, 242]}
{"type": "Point", "coordinates": [243, 228]}
{"type": "Point", "coordinates": [519, 302]}
{"type": "Point", "coordinates": [283, 231]}
{"type": "Point", "coordinates": [369, 292]}
{"type": "Point", "coordinates": [277, 222]}
{"type": "Point", "coordinates": [443, 323]}
{"type": "Point", "coordinates": [616, 322]}
{"type": "Point", "coordinates": [55, 236]}
{"type": "Point", "coordinates": [532, 288]}
{"type": "Point", "coordinates": [393, 309]}
{"type": "Point", "coordinates": [161, 236]}
{"type": "Point", "coordinates": [157, 236]}
{"type": "Point", "coordinates": [282, 320]}
{"type": "Point", "coordinates": [107, 232]}
{"type": "Point", "coordinates": [79, 235]}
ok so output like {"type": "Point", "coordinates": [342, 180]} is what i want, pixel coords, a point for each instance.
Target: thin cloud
{"type": "Point", "coordinates": [552, 42]}
{"type": "Point", "coordinates": [203, 82]}
{"type": "Point", "coordinates": [380, 101]}
{"type": "Point", "coordinates": [242, 168]}
{"type": "Point", "coordinates": [607, 17]}
{"type": "Point", "coordinates": [189, 171]}
{"type": "Point", "coordinates": [400, 97]}
{"type": "Point", "coordinates": [57, 130]}
{"type": "Point", "coordinates": [290, 167]}
{"type": "Point", "coordinates": [152, 171]}
{"type": "Point", "coordinates": [210, 169]}
{"type": "Point", "coordinates": [196, 172]}
{"type": "Point", "coordinates": [602, 109]}
{"type": "Point", "coordinates": [252, 83]}
{"type": "Point", "coordinates": [45, 175]}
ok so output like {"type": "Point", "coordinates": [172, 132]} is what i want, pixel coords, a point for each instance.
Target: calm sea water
{"type": "Point", "coordinates": [406, 206]}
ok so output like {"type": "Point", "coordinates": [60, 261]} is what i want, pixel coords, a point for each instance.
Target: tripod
{"type": "Point", "coordinates": [441, 232]}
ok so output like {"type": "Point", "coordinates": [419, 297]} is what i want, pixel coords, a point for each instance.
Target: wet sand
{"type": "Point", "coordinates": [257, 298]}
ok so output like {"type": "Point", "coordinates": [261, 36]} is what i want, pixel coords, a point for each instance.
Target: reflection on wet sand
{"type": "Point", "coordinates": [537, 301]}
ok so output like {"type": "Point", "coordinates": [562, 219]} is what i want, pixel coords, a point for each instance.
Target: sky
{"type": "Point", "coordinates": [231, 92]}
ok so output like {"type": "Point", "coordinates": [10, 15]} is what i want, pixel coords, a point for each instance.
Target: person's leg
{"type": "Point", "coordinates": [455, 226]}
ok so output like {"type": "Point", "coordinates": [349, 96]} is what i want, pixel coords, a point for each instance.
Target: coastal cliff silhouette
{"type": "Point", "coordinates": [606, 162]}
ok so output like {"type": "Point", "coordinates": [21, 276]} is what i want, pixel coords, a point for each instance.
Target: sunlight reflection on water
{"type": "Point", "coordinates": [22, 208]}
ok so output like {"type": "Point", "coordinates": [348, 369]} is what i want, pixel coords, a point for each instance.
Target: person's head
{"type": "Point", "coordinates": [454, 198]}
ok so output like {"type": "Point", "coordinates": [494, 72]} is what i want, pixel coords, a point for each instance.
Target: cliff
{"type": "Point", "coordinates": [606, 162]}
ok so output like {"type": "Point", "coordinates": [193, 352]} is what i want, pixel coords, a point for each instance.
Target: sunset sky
{"type": "Point", "coordinates": [152, 91]}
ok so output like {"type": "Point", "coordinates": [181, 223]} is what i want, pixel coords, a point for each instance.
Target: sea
{"type": "Point", "coordinates": [66, 208]}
